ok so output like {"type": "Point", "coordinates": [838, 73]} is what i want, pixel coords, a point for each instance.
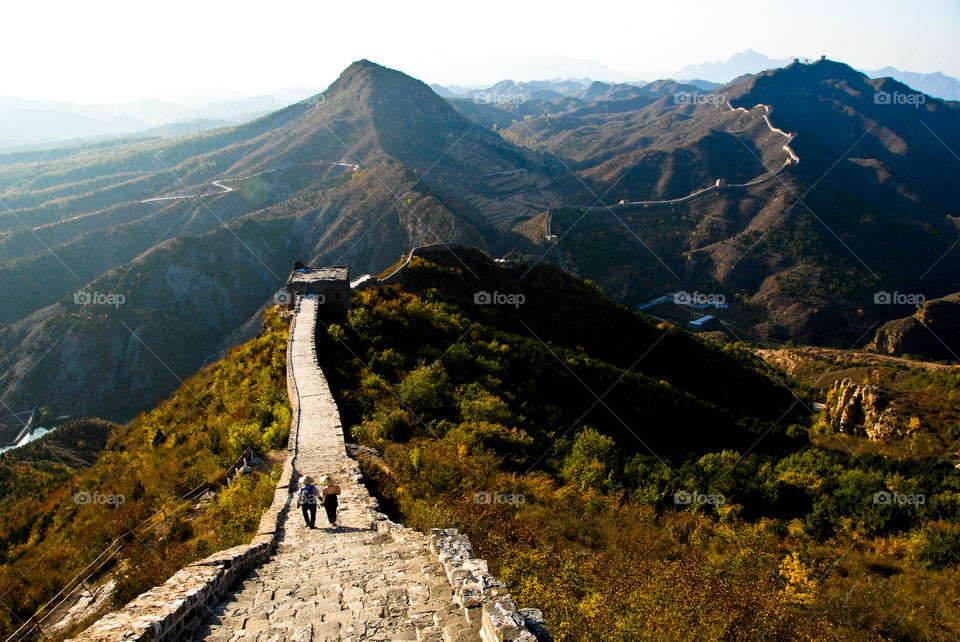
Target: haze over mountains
{"type": "Point", "coordinates": [704, 75]}
{"type": "Point", "coordinates": [336, 180]}
{"type": "Point", "coordinates": [739, 64]}
{"type": "Point", "coordinates": [25, 122]}
{"type": "Point", "coordinates": [197, 232]}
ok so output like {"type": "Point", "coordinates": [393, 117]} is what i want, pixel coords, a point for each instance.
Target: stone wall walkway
{"type": "Point", "coordinates": [357, 583]}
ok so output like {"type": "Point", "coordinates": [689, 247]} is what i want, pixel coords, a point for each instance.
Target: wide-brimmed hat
{"type": "Point", "coordinates": [326, 480]}
{"type": "Point", "coordinates": [306, 479]}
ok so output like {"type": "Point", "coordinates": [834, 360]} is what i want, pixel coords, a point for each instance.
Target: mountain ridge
{"type": "Point", "coordinates": [364, 214]}
{"type": "Point", "coordinates": [379, 163]}
{"type": "Point", "coordinates": [752, 62]}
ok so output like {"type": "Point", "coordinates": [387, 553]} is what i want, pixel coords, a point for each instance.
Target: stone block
{"type": "Point", "coordinates": [473, 614]}
{"type": "Point", "coordinates": [326, 632]}
{"type": "Point", "coordinates": [339, 616]}
{"type": "Point", "coordinates": [458, 576]}
{"type": "Point", "coordinates": [447, 615]}
{"type": "Point", "coordinates": [501, 622]}
{"type": "Point", "coordinates": [536, 624]}
{"type": "Point", "coordinates": [477, 566]}
{"type": "Point", "coordinates": [431, 634]}
{"type": "Point", "coordinates": [302, 633]}
{"type": "Point", "coordinates": [468, 596]}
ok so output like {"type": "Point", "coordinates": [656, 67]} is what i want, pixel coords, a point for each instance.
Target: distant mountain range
{"type": "Point", "coordinates": [204, 228]}
{"type": "Point", "coordinates": [816, 261]}
{"type": "Point", "coordinates": [34, 123]}
{"type": "Point", "coordinates": [744, 62]}
{"type": "Point", "coordinates": [705, 76]}
{"type": "Point", "coordinates": [935, 84]}
{"type": "Point", "coordinates": [196, 233]}
{"type": "Point", "coordinates": [752, 62]}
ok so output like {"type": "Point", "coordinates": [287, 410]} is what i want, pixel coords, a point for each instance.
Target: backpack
{"type": "Point", "coordinates": [305, 496]}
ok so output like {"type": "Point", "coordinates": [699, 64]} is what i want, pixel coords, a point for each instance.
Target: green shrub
{"type": "Point", "coordinates": [477, 404]}
{"type": "Point", "coordinates": [592, 461]}
{"type": "Point", "coordinates": [427, 392]}
{"type": "Point", "coordinates": [936, 547]}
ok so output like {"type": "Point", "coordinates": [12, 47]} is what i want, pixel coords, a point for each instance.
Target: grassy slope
{"type": "Point", "coordinates": [186, 443]}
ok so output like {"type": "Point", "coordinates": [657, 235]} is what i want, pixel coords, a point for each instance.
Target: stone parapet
{"type": "Point", "coordinates": [166, 611]}
{"type": "Point", "coordinates": [397, 580]}
{"type": "Point", "coordinates": [473, 586]}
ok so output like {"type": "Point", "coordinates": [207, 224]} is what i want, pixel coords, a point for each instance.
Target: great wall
{"type": "Point", "coordinates": [372, 579]}
{"type": "Point", "coordinates": [720, 184]}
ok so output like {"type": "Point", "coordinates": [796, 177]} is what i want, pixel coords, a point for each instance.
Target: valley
{"type": "Point", "coordinates": [702, 194]}
{"type": "Point", "coordinates": [707, 332]}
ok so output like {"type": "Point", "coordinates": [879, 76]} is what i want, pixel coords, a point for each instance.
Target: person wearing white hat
{"type": "Point", "coordinates": [329, 499]}
{"type": "Point", "coordinates": [307, 500]}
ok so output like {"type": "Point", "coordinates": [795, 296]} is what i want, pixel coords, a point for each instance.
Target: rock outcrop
{"type": "Point", "coordinates": [933, 332]}
{"type": "Point", "coordinates": [865, 410]}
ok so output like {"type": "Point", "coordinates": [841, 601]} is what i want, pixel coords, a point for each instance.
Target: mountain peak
{"type": "Point", "coordinates": [361, 64]}
{"type": "Point", "coordinates": [369, 77]}
{"type": "Point", "coordinates": [816, 72]}
{"type": "Point", "coordinates": [361, 69]}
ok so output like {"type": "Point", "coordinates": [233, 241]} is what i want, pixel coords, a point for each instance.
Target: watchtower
{"type": "Point", "coordinates": [330, 284]}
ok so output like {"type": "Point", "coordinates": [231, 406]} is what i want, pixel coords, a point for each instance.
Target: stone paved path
{"type": "Point", "coordinates": [352, 584]}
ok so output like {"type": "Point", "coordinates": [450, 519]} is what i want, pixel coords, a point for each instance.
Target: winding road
{"type": "Point", "coordinates": [219, 183]}
{"type": "Point", "coordinates": [226, 188]}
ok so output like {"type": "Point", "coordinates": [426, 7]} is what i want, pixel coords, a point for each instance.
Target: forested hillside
{"type": "Point", "coordinates": [154, 499]}
{"type": "Point", "coordinates": [629, 478]}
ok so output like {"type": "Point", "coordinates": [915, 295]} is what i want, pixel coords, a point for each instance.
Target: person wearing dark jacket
{"type": "Point", "coordinates": [307, 500]}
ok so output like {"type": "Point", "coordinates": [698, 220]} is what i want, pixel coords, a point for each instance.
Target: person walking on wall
{"type": "Point", "coordinates": [307, 500]}
{"type": "Point", "coordinates": [328, 497]}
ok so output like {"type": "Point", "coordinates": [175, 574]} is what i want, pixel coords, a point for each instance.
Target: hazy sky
{"type": "Point", "coordinates": [102, 50]}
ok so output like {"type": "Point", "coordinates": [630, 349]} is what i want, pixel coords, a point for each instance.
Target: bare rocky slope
{"type": "Point", "coordinates": [205, 228]}
{"type": "Point", "coordinates": [932, 332]}
{"type": "Point", "coordinates": [196, 233]}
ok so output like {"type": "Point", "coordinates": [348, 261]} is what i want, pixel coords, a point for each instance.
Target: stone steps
{"type": "Point", "coordinates": [354, 583]}
{"type": "Point", "coordinates": [370, 579]}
